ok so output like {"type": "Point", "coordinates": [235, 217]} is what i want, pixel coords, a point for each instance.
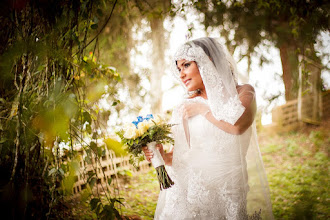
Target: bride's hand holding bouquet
{"type": "Point", "coordinates": [149, 131]}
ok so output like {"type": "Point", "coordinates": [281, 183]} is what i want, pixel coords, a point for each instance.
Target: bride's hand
{"type": "Point", "coordinates": [192, 109]}
{"type": "Point", "coordinates": [148, 153]}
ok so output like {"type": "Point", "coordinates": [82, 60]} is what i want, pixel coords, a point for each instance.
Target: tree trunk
{"type": "Point", "coordinates": [289, 61]}
{"type": "Point", "coordinates": [158, 64]}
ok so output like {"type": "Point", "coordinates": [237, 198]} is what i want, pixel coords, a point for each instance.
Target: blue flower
{"type": "Point", "coordinates": [148, 117]}
{"type": "Point", "coordinates": [140, 119]}
{"type": "Point", "coordinates": [135, 123]}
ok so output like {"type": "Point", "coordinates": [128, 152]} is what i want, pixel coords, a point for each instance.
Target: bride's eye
{"type": "Point", "coordinates": [186, 65]}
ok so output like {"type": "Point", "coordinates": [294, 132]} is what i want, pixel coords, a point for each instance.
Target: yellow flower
{"type": "Point", "coordinates": [130, 131]}
{"type": "Point", "coordinates": [143, 127]}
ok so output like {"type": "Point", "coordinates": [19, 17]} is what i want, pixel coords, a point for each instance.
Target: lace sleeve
{"type": "Point", "coordinates": [230, 111]}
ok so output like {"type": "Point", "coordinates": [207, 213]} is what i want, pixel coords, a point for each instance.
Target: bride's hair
{"type": "Point", "coordinates": [228, 57]}
{"type": "Point", "coordinates": [212, 44]}
{"type": "Point", "coordinates": [203, 46]}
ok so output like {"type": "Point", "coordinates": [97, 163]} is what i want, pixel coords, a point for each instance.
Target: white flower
{"type": "Point", "coordinates": [151, 123]}
{"type": "Point", "coordinates": [158, 120]}
{"type": "Point", "coordinates": [130, 131]}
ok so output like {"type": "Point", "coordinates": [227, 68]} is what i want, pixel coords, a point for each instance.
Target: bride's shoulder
{"type": "Point", "coordinates": [246, 92]}
{"type": "Point", "coordinates": [245, 88]}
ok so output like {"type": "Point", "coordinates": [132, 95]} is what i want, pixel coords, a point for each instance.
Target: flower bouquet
{"type": "Point", "coordinates": [149, 131]}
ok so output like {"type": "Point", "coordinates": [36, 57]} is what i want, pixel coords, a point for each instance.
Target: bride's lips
{"type": "Point", "coordinates": [186, 82]}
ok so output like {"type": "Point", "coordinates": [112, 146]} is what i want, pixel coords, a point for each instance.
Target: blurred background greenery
{"type": "Point", "coordinates": [68, 74]}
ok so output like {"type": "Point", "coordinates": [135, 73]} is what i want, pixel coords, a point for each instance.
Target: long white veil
{"type": "Point", "coordinates": [237, 170]}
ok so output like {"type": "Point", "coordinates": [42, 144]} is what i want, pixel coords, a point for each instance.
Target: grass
{"type": "Point", "coordinates": [297, 169]}
{"type": "Point", "coordinates": [141, 194]}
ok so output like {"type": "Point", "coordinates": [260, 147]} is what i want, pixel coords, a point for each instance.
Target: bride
{"type": "Point", "coordinates": [215, 162]}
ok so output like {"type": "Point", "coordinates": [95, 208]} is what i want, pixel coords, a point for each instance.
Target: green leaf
{"type": "Point", "coordinates": [41, 67]}
{"type": "Point", "coordinates": [61, 171]}
{"type": "Point", "coordinates": [88, 67]}
{"type": "Point", "coordinates": [52, 171]}
{"type": "Point", "coordinates": [94, 202]}
{"type": "Point", "coordinates": [75, 166]}
{"type": "Point", "coordinates": [99, 152]}
{"type": "Point", "coordinates": [94, 26]}
{"type": "Point", "coordinates": [3, 140]}
{"type": "Point", "coordinates": [107, 212]}
{"type": "Point", "coordinates": [128, 173]}
{"type": "Point", "coordinates": [99, 12]}
{"type": "Point", "coordinates": [110, 181]}
{"type": "Point", "coordinates": [88, 128]}
{"type": "Point", "coordinates": [88, 159]}
{"type": "Point", "coordinates": [87, 117]}
{"type": "Point", "coordinates": [114, 200]}
{"type": "Point", "coordinates": [93, 146]}
{"type": "Point", "coordinates": [115, 146]}
{"type": "Point", "coordinates": [98, 208]}
{"type": "Point", "coordinates": [84, 195]}
{"type": "Point", "coordinates": [94, 135]}
{"type": "Point", "coordinates": [91, 174]}
{"type": "Point", "coordinates": [68, 183]}
{"type": "Point", "coordinates": [92, 182]}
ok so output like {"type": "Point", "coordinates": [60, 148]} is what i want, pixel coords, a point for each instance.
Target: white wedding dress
{"type": "Point", "coordinates": [216, 175]}
{"type": "Point", "coordinates": [210, 177]}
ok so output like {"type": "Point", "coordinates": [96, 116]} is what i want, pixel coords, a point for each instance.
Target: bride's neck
{"type": "Point", "coordinates": [201, 93]}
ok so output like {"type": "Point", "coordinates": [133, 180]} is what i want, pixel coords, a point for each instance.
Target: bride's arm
{"type": "Point", "coordinates": [247, 97]}
{"type": "Point", "coordinates": [168, 158]}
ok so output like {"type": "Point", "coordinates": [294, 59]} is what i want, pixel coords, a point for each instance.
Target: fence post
{"type": "Point", "coordinates": [309, 91]}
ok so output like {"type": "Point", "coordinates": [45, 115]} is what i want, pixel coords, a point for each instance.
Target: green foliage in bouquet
{"type": "Point", "coordinates": [159, 133]}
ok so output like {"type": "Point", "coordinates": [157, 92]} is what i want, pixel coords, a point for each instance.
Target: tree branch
{"type": "Point", "coordinates": [104, 25]}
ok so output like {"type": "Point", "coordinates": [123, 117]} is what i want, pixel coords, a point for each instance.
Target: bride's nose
{"type": "Point", "coordinates": [182, 74]}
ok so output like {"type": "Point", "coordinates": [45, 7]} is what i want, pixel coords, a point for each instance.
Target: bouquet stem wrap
{"type": "Point", "coordinates": [159, 164]}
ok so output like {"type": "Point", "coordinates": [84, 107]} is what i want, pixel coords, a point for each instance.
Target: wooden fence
{"type": "Point", "coordinates": [108, 167]}
{"type": "Point", "coordinates": [285, 117]}
{"type": "Point", "coordinates": [326, 104]}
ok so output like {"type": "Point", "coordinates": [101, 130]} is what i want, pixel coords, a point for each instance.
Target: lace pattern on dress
{"type": "Point", "coordinates": [197, 202]}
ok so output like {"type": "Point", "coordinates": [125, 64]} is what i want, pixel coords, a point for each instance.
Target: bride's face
{"type": "Point", "coordinates": [189, 75]}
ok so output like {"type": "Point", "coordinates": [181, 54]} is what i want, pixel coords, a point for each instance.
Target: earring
{"type": "Point", "coordinates": [198, 91]}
